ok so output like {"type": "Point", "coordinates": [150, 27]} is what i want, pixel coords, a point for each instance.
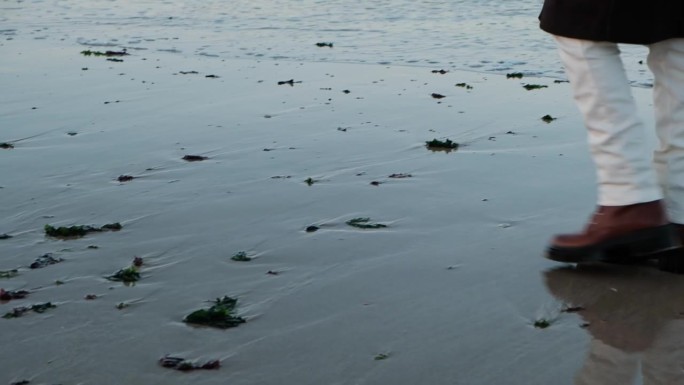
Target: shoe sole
{"type": "Point", "coordinates": [632, 247]}
{"type": "Point", "coordinates": [671, 261]}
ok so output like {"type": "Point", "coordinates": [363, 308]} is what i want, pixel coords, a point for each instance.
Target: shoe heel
{"type": "Point", "coordinates": [653, 241]}
{"type": "Point", "coordinates": [672, 261]}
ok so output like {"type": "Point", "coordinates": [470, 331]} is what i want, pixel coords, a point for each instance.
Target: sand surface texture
{"type": "Point", "coordinates": [447, 286]}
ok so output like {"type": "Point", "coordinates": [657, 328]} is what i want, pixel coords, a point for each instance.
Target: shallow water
{"type": "Point", "coordinates": [448, 293]}
{"type": "Point", "coordinates": [478, 35]}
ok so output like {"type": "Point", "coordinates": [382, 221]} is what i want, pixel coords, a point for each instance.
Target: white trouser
{"type": "Point", "coordinates": [626, 171]}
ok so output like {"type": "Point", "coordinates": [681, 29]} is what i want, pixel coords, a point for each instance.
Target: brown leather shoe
{"type": "Point", "coordinates": [635, 231]}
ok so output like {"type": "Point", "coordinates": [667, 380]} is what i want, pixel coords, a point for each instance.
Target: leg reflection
{"type": "Point", "coordinates": [607, 365]}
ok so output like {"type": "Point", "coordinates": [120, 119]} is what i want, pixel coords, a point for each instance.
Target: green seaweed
{"type": "Point", "coordinates": [364, 223]}
{"type": "Point", "coordinates": [8, 295]}
{"type": "Point", "coordinates": [447, 144]}
{"type": "Point", "coordinates": [381, 356]}
{"type": "Point", "coordinates": [531, 87]}
{"type": "Point", "coordinates": [324, 45]}
{"type": "Point", "coordinates": [514, 75]}
{"type": "Point", "coordinates": [127, 275]}
{"type": "Point", "coordinates": [20, 311]}
{"type": "Point", "coordinates": [45, 260]}
{"type": "Point", "coordinates": [184, 365]}
{"type": "Point", "coordinates": [79, 231]}
{"type": "Point", "coordinates": [106, 53]}
{"type": "Point", "coordinates": [548, 118]}
{"type": "Point", "coordinates": [290, 82]}
{"type": "Point", "coordinates": [220, 315]}
{"type": "Point", "coordinates": [400, 175]}
{"type": "Point", "coordinates": [112, 227]}
{"type": "Point", "coordinates": [464, 85]}
{"type": "Point", "coordinates": [542, 323]}
{"type": "Point", "coordinates": [194, 158]}
{"type": "Point", "coordinates": [241, 256]}
{"type": "Point", "coordinates": [9, 273]}
{"type": "Point", "coordinates": [63, 232]}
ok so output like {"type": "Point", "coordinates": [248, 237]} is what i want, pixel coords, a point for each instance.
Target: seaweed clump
{"type": "Point", "coordinates": [365, 223]}
{"type": "Point", "coordinates": [45, 260]}
{"type": "Point", "coordinates": [20, 311]}
{"type": "Point", "coordinates": [241, 256]}
{"type": "Point", "coordinates": [464, 85]}
{"type": "Point", "coordinates": [548, 118]}
{"type": "Point", "coordinates": [514, 75]}
{"type": "Point", "coordinates": [127, 275]}
{"type": "Point", "coordinates": [542, 323]}
{"type": "Point", "coordinates": [106, 53]}
{"type": "Point", "coordinates": [324, 45]}
{"type": "Point", "coordinates": [400, 175]}
{"type": "Point", "coordinates": [447, 145]}
{"type": "Point", "coordinates": [79, 231]}
{"type": "Point", "coordinates": [531, 87]}
{"type": "Point", "coordinates": [290, 82]}
{"type": "Point", "coordinates": [9, 273]}
{"type": "Point", "coordinates": [220, 315]}
{"type": "Point", "coordinates": [8, 295]}
{"type": "Point", "coordinates": [184, 365]}
{"type": "Point", "coordinates": [194, 158]}
{"type": "Point", "coordinates": [6, 146]}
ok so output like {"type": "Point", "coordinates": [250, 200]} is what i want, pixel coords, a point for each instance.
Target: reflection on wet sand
{"type": "Point", "coordinates": [635, 316]}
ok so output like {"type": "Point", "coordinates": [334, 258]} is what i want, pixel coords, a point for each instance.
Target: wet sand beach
{"type": "Point", "coordinates": [227, 183]}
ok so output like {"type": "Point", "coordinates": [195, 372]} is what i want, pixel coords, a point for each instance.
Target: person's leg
{"type": "Point", "coordinates": [666, 61]}
{"type": "Point", "coordinates": [616, 133]}
{"type": "Point", "coordinates": [630, 213]}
